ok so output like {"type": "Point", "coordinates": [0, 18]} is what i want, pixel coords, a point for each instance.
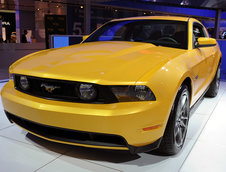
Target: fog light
{"type": "Point", "coordinates": [24, 83]}
{"type": "Point", "coordinates": [87, 92]}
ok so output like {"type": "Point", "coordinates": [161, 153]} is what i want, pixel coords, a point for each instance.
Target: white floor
{"type": "Point", "coordinates": [204, 149]}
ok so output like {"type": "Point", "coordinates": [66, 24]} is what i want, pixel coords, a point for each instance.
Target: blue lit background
{"type": "Point", "coordinates": [60, 41]}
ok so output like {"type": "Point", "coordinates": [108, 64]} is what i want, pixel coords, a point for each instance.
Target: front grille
{"type": "Point", "coordinates": [67, 135]}
{"type": "Point", "coordinates": [65, 90]}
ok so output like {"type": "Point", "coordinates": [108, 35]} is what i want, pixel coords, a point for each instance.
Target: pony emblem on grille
{"type": "Point", "coordinates": [49, 88]}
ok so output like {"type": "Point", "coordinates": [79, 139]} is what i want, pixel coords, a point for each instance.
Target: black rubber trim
{"type": "Point", "coordinates": [206, 45]}
{"type": "Point", "coordinates": [68, 135]}
{"type": "Point", "coordinates": [146, 148]}
{"type": "Point", "coordinates": [8, 116]}
{"type": "Point", "coordinates": [61, 134]}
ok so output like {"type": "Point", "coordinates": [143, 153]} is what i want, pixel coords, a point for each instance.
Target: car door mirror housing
{"type": "Point", "coordinates": [206, 42]}
{"type": "Point", "coordinates": [84, 37]}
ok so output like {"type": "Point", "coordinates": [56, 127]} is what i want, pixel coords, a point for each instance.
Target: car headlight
{"type": "Point", "coordinates": [133, 93]}
{"type": "Point", "coordinates": [87, 92]}
{"type": "Point", "coordinates": [24, 83]}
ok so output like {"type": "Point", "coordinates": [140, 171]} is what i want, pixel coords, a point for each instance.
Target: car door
{"type": "Point", "coordinates": [210, 54]}
{"type": "Point", "coordinates": [202, 55]}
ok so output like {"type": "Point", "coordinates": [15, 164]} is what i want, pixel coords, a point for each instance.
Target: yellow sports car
{"type": "Point", "coordinates": [128, 86]}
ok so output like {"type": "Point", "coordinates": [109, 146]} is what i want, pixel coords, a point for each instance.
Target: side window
{"type": "Point", "coordinates": [198, 31]}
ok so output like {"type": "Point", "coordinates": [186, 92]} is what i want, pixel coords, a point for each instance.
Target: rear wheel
{"type": "Point", "coordinates": [176, 129]}
{"type": "Point", "coordinates": [214, 86]}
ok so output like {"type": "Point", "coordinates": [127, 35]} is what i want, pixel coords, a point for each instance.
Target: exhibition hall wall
{"type": "Point", "coordinates": [66, 20]}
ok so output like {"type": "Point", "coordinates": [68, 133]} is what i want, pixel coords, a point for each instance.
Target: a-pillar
{"type": "Point", "coordinates": [25, 17]}
{"type": "Point", "coordinates": [87, 17]}
{"type": "Point", "coordinates": [217, 24]}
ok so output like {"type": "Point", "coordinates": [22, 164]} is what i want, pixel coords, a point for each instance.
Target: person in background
{"type": "Point", "coordinates": [24, 38]}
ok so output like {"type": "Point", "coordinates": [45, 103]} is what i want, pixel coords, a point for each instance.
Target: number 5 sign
{"type": "Point", "coordinates": [77, 28]}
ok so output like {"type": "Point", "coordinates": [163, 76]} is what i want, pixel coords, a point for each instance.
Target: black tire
{"type": "Point", "coordinates": [214, 86]}
{"type": "Point", "coordinates": [176, 129]}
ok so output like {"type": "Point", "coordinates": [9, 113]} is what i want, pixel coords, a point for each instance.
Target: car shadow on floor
{"type": "Point", "coordinates": [111, 156]}
{"type": "Point", "coordinates": [116, 156]}
{"type": "Point", "coordinates": [103, 155]}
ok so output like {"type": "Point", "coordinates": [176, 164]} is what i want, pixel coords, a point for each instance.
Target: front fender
{"type": "Point", "coordinates": [165, 83]}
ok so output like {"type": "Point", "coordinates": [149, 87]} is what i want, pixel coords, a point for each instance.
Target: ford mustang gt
{"type": "Point", "coordinates": [128, 86]}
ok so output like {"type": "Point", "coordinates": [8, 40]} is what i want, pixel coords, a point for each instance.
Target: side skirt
{"type": "Point", "coordinates": [198, 102]}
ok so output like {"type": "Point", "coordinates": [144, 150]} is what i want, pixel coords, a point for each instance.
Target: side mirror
{"type": "Point", "coordinates": [85, 37]}
{"type": "Point", "coordinates": [206, 42]}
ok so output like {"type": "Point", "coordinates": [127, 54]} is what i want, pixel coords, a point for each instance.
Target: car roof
{"type": "Point", "coordinates": [176, 18]}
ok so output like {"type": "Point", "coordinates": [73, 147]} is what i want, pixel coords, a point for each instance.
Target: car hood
{"type": "Point", "coordinates": [107, 63]}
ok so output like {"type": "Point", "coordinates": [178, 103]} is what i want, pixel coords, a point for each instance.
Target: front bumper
{"type": "Point", "coordinates": [123, 121]}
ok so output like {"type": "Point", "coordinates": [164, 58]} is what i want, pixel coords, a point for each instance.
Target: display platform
{"type": "Point", "coordinates": [204, 148]}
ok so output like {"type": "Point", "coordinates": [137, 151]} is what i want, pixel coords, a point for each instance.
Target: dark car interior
{"type": "Point", "coordinates": [157, 32]}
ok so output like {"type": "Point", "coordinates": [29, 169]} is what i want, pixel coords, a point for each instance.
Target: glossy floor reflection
{"type": "Point", "coordinates": [204, 149]}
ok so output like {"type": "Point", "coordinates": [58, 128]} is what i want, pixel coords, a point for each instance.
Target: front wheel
{"type": "Point", "coordinates": [214, 86]}
{"type": "Point", "coordinates": [176, 129]}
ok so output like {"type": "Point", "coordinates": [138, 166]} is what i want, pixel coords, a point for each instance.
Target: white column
{"type": "Point", "coordinates": [0, 31]}
{"type": "Point", "coordinates": [18, 35]}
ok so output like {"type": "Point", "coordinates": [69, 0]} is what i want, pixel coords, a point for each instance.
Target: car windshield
{"type": "Point", "coordinates": [158, 32]}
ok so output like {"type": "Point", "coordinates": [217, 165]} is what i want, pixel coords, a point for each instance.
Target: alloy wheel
{"type": "Point", "coordinates": [182, 117]}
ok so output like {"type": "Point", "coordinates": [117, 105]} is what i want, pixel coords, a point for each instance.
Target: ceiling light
{"type": "Point", "coordinates": [185, 2]}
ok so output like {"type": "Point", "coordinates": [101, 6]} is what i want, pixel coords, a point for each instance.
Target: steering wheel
{"type": "Point", "coordinates": [168, 38]}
